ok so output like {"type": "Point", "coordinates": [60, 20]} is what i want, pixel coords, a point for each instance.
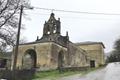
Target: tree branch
{"type": "Point", "coordinates": [8, 18]}
{"type": "Point", "coordinates": [6, 6]}
{"type": "Point", "coordinates": [11, 14]}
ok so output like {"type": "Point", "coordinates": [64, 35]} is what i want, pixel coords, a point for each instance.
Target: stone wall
{"type": "Point", "coordinates": [46, 54]}
{"type": "Point", "coordinates": [95, 52]}
{"type": "Point", "coordinates": [77, 56]}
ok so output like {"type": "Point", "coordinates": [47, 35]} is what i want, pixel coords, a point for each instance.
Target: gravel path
{"type": "Point", "coordinates": [111, 72]}
{"type": "Point", "coordinates": [95, 75]}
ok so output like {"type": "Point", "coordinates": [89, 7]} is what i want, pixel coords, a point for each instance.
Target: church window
{"type": "Point", "coordinates": [48, 32]}
{"type": "Point", "coordinates": [54, 31]}
{"type": "Point", "coordinates": [52, 21]}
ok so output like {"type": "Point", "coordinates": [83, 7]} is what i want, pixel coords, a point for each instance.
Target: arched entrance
{"type": "Point", "coordinates": [29, 59]}
{"type": "Point", "coordinates": [60, 59]}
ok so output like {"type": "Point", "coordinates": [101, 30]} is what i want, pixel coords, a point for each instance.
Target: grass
{"type": "Point", "coordinates": [54, 74]}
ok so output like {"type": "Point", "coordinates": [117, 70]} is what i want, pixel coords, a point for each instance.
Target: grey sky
{"type": "Point", "coordinates": [81, 27]}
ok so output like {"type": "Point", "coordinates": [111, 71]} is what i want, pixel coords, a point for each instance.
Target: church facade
{"type": "Point", "coordinates": [53, 51]}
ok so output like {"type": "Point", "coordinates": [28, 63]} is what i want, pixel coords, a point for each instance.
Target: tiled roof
{"type": "Point", "coordinates": [89, 43]}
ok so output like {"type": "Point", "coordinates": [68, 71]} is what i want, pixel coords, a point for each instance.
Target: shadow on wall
{"type": "Point", "coordinates": [19, 74]}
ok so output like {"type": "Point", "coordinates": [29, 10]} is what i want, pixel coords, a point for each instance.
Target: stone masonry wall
{"type": "Point", "coordinates": [46, 54]}
{"type": "Point", "coordinates": [78, 57]}
{"type": "Point", "coordinates": [95, 52]}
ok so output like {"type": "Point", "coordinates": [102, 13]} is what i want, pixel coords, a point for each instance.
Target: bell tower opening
{"type": "Point", "coordinates": [52, 26]}
{"type": "Point", "coordinates": [52, 32]}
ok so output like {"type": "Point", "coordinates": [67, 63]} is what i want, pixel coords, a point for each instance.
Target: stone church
{"type": "Point", "coordinates": [53, 51]}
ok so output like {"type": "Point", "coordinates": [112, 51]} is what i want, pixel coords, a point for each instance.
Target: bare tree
{"type": "Point", "coordinates": [9, 10]}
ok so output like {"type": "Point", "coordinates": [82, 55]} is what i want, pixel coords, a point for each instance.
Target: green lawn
{"type": "Point", "coordinates": [54, 74]}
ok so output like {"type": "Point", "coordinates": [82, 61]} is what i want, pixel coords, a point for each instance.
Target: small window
{"type": "Point", "coordinates": [54, 31]}
{"type": "Point", "coordinates": [48, 32]}
{"type": "Point", "coordinates": [52, 21]}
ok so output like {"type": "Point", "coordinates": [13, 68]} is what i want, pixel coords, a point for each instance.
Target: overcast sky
{"type": "Point", "coordinates": [81, 27]}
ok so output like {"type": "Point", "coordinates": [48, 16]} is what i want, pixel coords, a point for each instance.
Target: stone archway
{"type": "Point", "coordinates": [60, 59]}
{"type": "Point", "coordinates": [29, 59]}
